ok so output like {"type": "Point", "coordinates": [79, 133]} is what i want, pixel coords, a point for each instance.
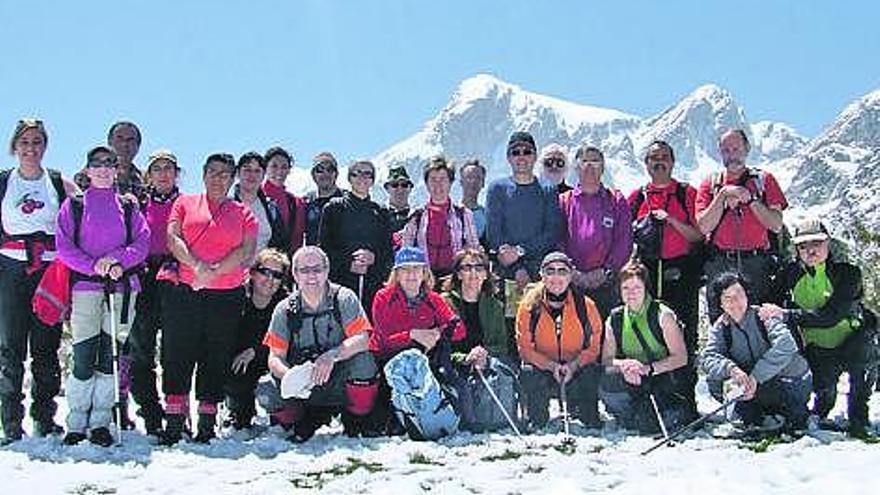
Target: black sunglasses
{"type": "Point", "coordinates": [105, 163]}
{"type": "Point", "coordinates": [521, 152]}
{"type": "Point", "coordinates": [324, 167]}
{"type": "Point", "coordinates": [554, 163]}
{"type": "Point", "coordinates": [268, 272]}
{"type": "Point", "coordinates": [399, 185]}
{"type": "Point", "coordinates": [361, 173]}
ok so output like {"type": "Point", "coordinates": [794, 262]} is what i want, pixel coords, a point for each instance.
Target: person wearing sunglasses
{"type": "Point", "coordinates": [598, 232]}
{"type": "Point", "coordinates": [212, 237]}
{"type": "Point", "coordinates": [263, 291]}
{"type": "Point", "coordinates": [356, 234]}
{"type": "Point", "coordinates": [554, 166]}
{"type": "Point", "coordinates": [30, 196]}
{"type": "Point", "coordinates": [161, 185]}
{"type": "Point", "coordinates": [292, 207]}
{"type": "Point", "coordinates": [104, 246]}
{"type": "Point", "coordinates": [558, 332]}
{"type": "Point", "coordinates": [823, 299]}
{"type": "Point", "coordinates": [440, 228]}
{"type": "Point", "coordinates": [325, 171]}
{"type": "Point", "coordinates": [251, 170]}
{"type": "Point", "coordinates": [398, 186]}
{"type": "Point", "coordinates": [324, 324]}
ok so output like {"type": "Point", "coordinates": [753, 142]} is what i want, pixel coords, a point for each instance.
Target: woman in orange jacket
{"type": "Point", "coordinates": [558, 333]}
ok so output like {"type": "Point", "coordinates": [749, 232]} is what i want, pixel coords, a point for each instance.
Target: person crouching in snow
{"type": "Point", "coordinates": [321, 326]}
{"type": "Point", "coordinates": [558, 332]}
{"type": "Point", "coordinates": [102, 240]}
{"type": "Point", "coordinates": [408, 314]}
{"type": "Point", "coordinates": [761, 357]}
{"type": "Point", "coordinates": [645, 358]}
{"type": "Point", "coordinates": [264, 290]}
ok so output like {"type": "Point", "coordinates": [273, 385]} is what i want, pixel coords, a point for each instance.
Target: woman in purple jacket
{"type": "Point", "coordinates": [102, 240]}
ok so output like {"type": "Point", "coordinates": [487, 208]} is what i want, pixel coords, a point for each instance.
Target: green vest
{"type": "Point", "coordinates": [637, 321]}
{"type": "Point", "coordinates": [812, 292]}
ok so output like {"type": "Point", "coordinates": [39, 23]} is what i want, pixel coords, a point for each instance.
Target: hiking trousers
{"type": "Point", "coordinates": [142, 345]}
{"type": "Point", "coordinates": [20, 329]}
{"type": "Point", "coordinates": [582, 393]}
{"type": "Point", "coordinates": [828, 364]}
{"type": "Point", "coordinates": [631, 404]}
{"type": "Point", "coordinates": [198, 335]}
{"type": "Point", "coordinates": [783, 395]}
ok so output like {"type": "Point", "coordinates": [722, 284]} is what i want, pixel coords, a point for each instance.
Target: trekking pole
{"type": "Point", "coordinates": [111, 301]}
{"type": "Point", "coordinates": [499, 404]}
{"type": "Point", "coordinates": [697, 422]}
{"type": "Point", "coordinates": [660, 278]}
{"type": "Point", "coordinates": [565, 421]}
{"type": "Point", "coordinates": [361, 288]}
{"type": "Point", "coordinates": [659, 416]}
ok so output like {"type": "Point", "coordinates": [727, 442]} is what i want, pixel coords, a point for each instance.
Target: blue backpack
{"type": "Point", "coordinates": [421, 405]}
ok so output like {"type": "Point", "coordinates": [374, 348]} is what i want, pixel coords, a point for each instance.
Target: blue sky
{"type": "Point", "coordinates": [355, 77]}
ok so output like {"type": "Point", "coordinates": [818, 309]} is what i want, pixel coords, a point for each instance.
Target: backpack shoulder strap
{"type": "Point", "coordinates": [616, 321]}
{"type": "Point", "coordinates": [128, 209]}
{"type": "Point", "coordinates": [334, 306]}
{"type": "Point", "coordinates": [654, 322]}
{"type": "Point", "coordinates": [76, 208]}
{"type": "Point", "coordinates": [534, 317]}
{"type": "Point", "coordinates": [640, 198]}
{"type": "Point", "coordinates": [580, 307]}
{"type": "Point", "coordinates": [58, 184]}
{"type": "Point", "coordinates": [681, 196]}
{"type": "Point", "coordinates": [4, 182]}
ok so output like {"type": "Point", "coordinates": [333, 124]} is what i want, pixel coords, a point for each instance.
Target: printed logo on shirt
{"type": "Point", "coordinates": [28, 204]}
{"type": "Point", "coordinates": [608, 222]}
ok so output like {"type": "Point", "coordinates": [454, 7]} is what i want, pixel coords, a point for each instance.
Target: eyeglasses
{"type": "Point", "coordinates": [472, 267]}
{"type": "Point", "coordinates": [325, 167]}
{"type": "Point", "coordinates": [105, 163]}
{"type": "Point", "coordinates": [558, 270]}
{"type": "Point", "coordinates": [594, 164]}
{"type": "Point", "coordinates": [366, 174]}
{"type": "Point", "coordinates": [310, 270]}
{"type": "Point", "coordinates": [399, 185]}
{"type": "Point", "coordinates": [521, 152]}
{"type": "Point", "coordinates": [268, 272]}
{"type": "Point", "coordinates": [554, 163]}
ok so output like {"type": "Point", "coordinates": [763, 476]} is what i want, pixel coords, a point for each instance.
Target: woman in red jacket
{"type": "Point", "coordinates": [407, 314]}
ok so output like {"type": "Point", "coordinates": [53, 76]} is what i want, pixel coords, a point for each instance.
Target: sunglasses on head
{"type": "Point", "coordinates": [554, 163]}
{"type": "Point", "coordinates": [521, 152]}
{"type": "Point", "coordinates": [268, 272]}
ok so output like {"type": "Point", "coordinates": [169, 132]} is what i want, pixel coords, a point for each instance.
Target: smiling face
{"type": "Point", "coordinates": [218, 179]}
{"type": "Point", "coordinates": [632, 291]}
{"type": "Point", "coordinates": [30, 147]}
{"type": "Point", "coordinates": [522, 159]}
{"type": "Point", "coordinates": [398, 192]}
{"type": "Point", "coordinates": [266, 279]}
{"type": "Point", "coordinates": [277, 170]}
{"type": "Point", "coordinates": [250, 177]}
{"type": "Point", "coordinates": [735, 302]}
{"type": "Point", "coordinates": [472, 271]}
{"type": "Point", "coordinates": [590, 168]}
{"type": "Point", "coordinates": [361, 176]}
{"type": "Point", "coordinates": [554, 168]}
{"type": "Point", "coordinates": [162, 175]}
{"type": "Point", "coordinates": [101, 170]}
{"type": "Point", "coordinates": [556, 277]}
{"type": "Point", "coordinates": [310, 273]}
{"type": "Point", "coordinates": [658, 163]}
{"type": "Point", "coordinates": [410, 278]}
{"type": "Point", "coordinates": [734, 151]}
{"type": "Point", "coordinates": [324, 174]}
{"type": "Point", "coordinates": [438, 185]}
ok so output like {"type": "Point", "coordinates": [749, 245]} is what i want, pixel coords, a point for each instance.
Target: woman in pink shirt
{"type": "Point", "coordinates": [213, 239]}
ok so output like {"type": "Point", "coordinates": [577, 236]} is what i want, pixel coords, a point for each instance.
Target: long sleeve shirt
{"type": "Point", "coordinates": [101, 234]}
{"type": "Point", "coordinates": [526, 215]}
{"type": "Point", "coordinates": [598, 230]}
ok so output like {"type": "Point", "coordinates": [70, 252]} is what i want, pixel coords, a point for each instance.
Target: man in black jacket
{"type": "Point", "coordinates": [355, 233]}
{"type": "Point", "coordinates": [823, 299]}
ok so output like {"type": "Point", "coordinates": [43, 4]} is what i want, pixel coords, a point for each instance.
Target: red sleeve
{"type": "Point", "coordinates": [704, 196]}
{"type": "Point", "coordinates": [387, 338]}
{"type": "Point", "coordinates": [445, 314]}
{"type": "Point", "coordinates": [177, 211]}
{"type": "Point", "coordinates": [773, 195]}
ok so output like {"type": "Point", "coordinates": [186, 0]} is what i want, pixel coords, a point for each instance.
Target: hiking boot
{"type": "Point", "coordinates": [73, 438]}
{"type": "Point", "coordinates": [11, 413]}
{"type": "Point", "coordinates": [47, 428]}
{"type": "Point", "coordinates": [207, 422]}
{"type": "Point", "coordinates": [173, 431]}
{"type": "Point", "coordinates": [302, 432]}
{"type": "Point", "coordinates": [153, 424]}
{"type": "Point", "coordinates": [122, 407]}
{"type": "Point", "coordinates": [101, 436]}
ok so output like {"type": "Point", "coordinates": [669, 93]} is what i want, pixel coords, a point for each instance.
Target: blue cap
{"type": "Point", "coordinates": [409, 256]}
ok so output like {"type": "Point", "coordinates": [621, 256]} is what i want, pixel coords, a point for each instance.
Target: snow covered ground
{"type": "Point", "coordinates": [493, 463]}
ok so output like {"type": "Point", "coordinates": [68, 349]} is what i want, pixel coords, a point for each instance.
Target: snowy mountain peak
{"type": "Point", "coordinates": [775, 140]}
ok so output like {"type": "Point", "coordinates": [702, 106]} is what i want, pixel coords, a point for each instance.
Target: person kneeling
{"type": "Point", "coordinates": [761, 357]}
{"type": "Point", "coordinates": [320, 329]}
{"type": "Point", "coordinates": [644, 355]}
{"type": "Point", "coordinates": [558, 331]}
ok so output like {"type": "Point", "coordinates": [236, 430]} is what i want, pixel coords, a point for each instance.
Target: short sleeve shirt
{"type": "Point", "coordinates": [742, 232]}
{"type": "Point", "coordinates": [319, 326]}
{"type": "Point", "coordinates": [212, 233]}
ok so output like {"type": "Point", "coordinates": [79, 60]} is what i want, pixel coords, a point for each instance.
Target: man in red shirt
{"type": "Point", "coordinates": [738, 210]}
{"type": "Point", "coordinates": [668, 241]}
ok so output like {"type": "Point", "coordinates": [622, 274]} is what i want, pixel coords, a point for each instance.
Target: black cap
{"type": "Point", "coordinates": [521, 137]}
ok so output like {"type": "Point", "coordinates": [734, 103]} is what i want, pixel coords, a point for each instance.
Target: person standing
{"type": "Point", "coordinates": [554, 166]}
{"type": "Point", "coordinates": [292, 207]}
{"type": "Point", "coordinates": [251, 170]}
{"type": "Point", "coordinates": [398, 186]}
{"type": "Point", "coordinates": [356, 234]}
{"type": "Point", "coordinates": [30, 196]}
{"type": "Point", "coordinates": [324, 173]}
{"type": "Point", "coordinates": [738, 209]}
{"type": "Point", "coordinates": [473, 178]}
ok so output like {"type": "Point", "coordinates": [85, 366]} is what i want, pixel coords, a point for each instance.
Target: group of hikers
{"type": "Point", "coordinates": [413, 320]}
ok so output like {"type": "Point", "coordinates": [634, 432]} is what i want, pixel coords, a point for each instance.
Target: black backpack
{"type": "Point", "coordinates": [297, 354]}
{"type": "Point", "coordinates": [57, 184]}
{"type": "Point", "coordinates": [648, 231]}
